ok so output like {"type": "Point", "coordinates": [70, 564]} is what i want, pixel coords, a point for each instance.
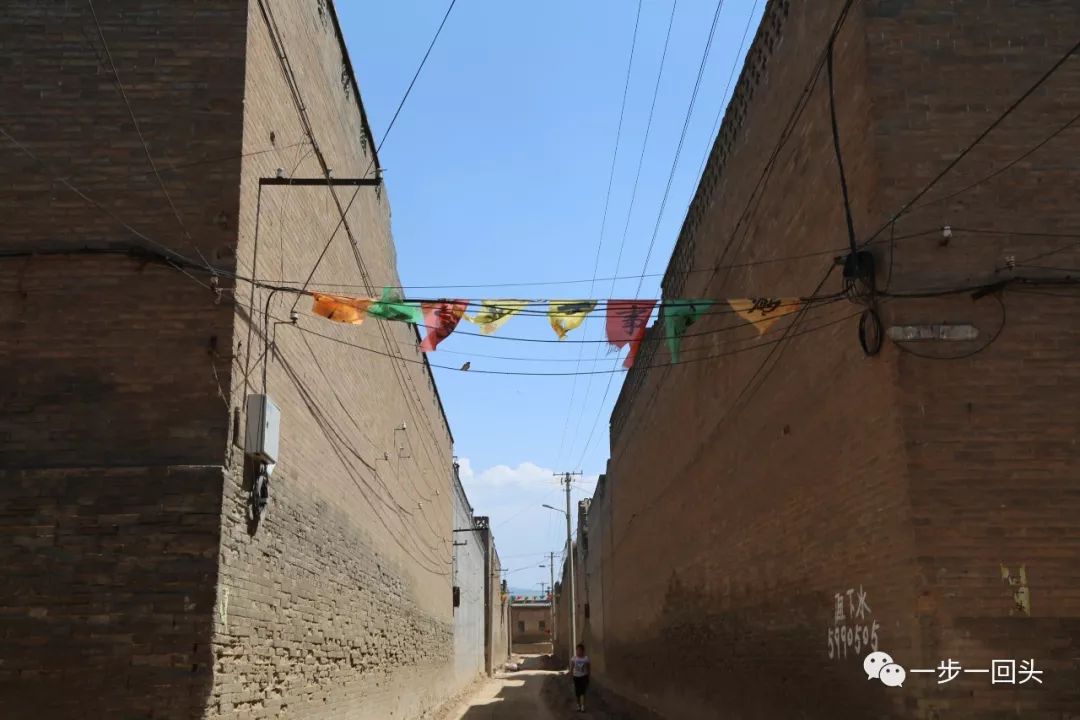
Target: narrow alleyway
{"type": "Point", "coordinates": [531, 693]}
{"type": "Point", "coordinates": [516, 695]}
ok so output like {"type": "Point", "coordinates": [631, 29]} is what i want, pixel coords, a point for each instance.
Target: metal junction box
{"type": "Point", "coordinates": [263, 428]}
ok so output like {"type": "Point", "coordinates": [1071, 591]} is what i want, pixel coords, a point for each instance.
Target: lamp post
{"type": "Point", "coordinates": [570, 565]}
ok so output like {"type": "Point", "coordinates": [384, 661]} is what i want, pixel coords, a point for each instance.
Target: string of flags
{"type": "Point", "coordinates": [625, 326]}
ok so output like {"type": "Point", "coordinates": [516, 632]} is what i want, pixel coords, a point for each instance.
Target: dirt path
{"type": "Point", "coordinates": [509, 696]}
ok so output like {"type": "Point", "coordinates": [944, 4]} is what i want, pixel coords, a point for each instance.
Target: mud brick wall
{"type": "Point", "coordinates": [732, 522]}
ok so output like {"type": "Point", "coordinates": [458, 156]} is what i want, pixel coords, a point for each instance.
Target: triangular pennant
{"type": "Point", "coordinates": [341, 309]}
{"type": "Point", "coordinates": [626, 322]}
{"type": "Point", "coordinates": [493, 314]}
{"type": "Point", "coordinates": [763, 312]}
{"type": "Point", "coordinates": [565, 315]}
{"type": "Point", "coordinates": [678, 316]}
{"type": "Point", "coordinates": [440, 319]}
{"type": "Point", "coordinates": [392, 307]}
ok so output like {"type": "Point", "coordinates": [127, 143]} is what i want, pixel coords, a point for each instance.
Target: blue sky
{"type": "Point", "coordinates": [497, 171]}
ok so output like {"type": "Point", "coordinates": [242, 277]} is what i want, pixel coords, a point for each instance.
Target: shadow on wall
{"type": "Point", "coordinates": [703, 653]}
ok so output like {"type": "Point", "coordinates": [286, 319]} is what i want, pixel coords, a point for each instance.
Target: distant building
{"type": "Point", "coordinates": [530, 624]}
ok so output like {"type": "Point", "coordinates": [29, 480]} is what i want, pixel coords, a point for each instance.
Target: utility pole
{"type": "Point", "coordinates": [551, 601]}
{"type": "Point", "coordinates": [567, 480]}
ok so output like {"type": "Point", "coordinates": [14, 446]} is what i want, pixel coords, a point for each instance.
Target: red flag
{"type": "Point", "coordinates": [626, 321]}
{"type": "Point", "coordinates": [440, 319]}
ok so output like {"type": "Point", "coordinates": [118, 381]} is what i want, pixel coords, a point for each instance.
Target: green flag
{"type": "Point", "coordinates": [391, 307]}
{"type": "Point", "coordinates": [679, 315]}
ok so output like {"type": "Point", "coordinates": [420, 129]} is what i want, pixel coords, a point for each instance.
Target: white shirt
{"type": "Point", "coordinates": [579, 666]}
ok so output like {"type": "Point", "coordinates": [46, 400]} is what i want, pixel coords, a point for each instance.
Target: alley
{"type": "Point", "coordinates": [510, 694]}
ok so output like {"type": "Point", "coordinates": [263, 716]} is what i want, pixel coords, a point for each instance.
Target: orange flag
{"type": "Point", "coordinates": [342, 309]}
{"type": "Point", "coordinates": [440, 319]}
{"type": "Point", "coordinates": [763, 312]}
{"type": "Point", "coordinates": [626, 321]}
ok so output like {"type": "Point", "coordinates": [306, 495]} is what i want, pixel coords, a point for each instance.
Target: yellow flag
{"type": "Point", "coordinates": [342, 309]}
{"type": "Point", "coordinates": [565, 315]}
{"type": "Point", "coordinates": [763, 312]}
{"type": "Point", "coordinates": [494, 313]}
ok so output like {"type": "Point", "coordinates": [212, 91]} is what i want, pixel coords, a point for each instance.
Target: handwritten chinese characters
{"type": "Point", "coordinates": [854, 629]}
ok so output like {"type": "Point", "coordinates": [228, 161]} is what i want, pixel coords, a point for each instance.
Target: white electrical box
{"type": "Point", "coordinates": [263, 427]}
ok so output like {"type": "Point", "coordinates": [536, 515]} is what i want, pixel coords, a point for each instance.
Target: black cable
{"type": "Point", "coordinates": [1006, 167]}
{"type": "Point", "coordinates": [593, 372]}
{"type": "Point", "coordinates": [982, 136]}
{"type": "Point", "coordinates": [607, 205]}
{"type": "Point", "coordinates": [836, 149]}
{"type": "Point", "coordinates": [682, 140]}
{"type": "Point", "coordinates": [375, 154]}
{"type": "Point", "coordinates": [142, 139]}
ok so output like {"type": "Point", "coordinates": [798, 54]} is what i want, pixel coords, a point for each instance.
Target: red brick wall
{"type": "Point", "coordinates": [112, 422]}
{"type": "Point", "coordinates": [728, 528]}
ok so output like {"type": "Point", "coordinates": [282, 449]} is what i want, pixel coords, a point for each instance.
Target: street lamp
{"type": "Point", "coordinates": [570, 563]}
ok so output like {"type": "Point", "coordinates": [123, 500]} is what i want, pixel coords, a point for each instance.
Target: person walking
{"type": "Point", "coordinates": [579, 669]}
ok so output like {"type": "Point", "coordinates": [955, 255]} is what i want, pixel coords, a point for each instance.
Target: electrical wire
{"type": "Point", "coordinates": [567, 374]}
{"type": "Point", "coordinates": [1008, 166]}
{"type": "Point", "coordinates": [626, 224]}
{"type": "Point", "coordinates": [142, 139]}
{"type": "Point", "coordinates": [978, 139]}
{"type": "Point", "coordinates": [664, 198]}
{"type": "Point", "coordinates": [603, 221]}
{"type": "Point", "coordinates": [375, 154]}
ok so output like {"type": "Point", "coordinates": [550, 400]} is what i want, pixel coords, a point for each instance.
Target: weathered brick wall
{"type": "Point", "coordinates": [340, 603]}
{"type": "Point", "coordinates": [990, 440]}
{"type": "Point", "coordinates": [111, 419]}
{"type": "Point", "coordinates": [499, 608]}
{"type": "Point", "coordinates": [913, 480]}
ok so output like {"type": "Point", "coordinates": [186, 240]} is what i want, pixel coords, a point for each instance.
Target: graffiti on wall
{"type": "Point", "coordinates": [854, 630]}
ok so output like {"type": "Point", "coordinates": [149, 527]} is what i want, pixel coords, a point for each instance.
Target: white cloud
{"type": "Point", "coordinates": [525, 475]}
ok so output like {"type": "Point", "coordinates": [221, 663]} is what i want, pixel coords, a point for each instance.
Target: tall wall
{"type": "Point", "coordinates": [498, 609]}
{"type": "Point", "coordinates": [470, 569]}
{"type": "Point", "coordinates": [112, 424]}
{"type": "Point", "coordinates": [340, 602]}
{"type": "Point", "coordinates": [753, 499]}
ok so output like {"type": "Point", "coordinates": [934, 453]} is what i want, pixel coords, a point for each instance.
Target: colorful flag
{"type": "Point", "coordinates": [392, 307]}
{"type": "Point", "coordinates": [440, 319]}
{"type": "Point", "coordinates": [678, 316]}
{"type": "Point", "coordinates": [342, 309]}
{"type": "Point", "coordinates": [763, 312]}
{"type": "Point", "coordinates": [626, 321]}
{"type": "Point", "coordinates": [565, 315]}
{"type": "Point", "coordinates": [494, 313]}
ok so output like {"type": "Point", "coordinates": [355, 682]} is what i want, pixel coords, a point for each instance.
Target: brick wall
{"type": "Point", "coordinates": [138, 587]}
{"type": "Point", "coordinates": [340, 602]}
{"type": "Point", "coordinates": [470, 569]}
{"type": "Point", "coordinates": [112, 422]}
{"type": "Point", "coordinates": [913, 481]}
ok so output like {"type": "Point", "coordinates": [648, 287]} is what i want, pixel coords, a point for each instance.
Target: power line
{"type": "Point", "coordinates": [138, 131]}
{"type": "Point", "coordinates": [981, 136]}
{"type": "Point", "coordinates": [682, 139]}
{"type": "Point", "coordinates": [607, 205]}
{"type": "Point", "coordinates": [375, 154]}
{"type": "Point", "coordinates": [629, 214]}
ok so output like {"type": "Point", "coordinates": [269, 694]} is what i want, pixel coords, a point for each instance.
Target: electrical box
{"type": "Point", "coordinates": [263, 428]}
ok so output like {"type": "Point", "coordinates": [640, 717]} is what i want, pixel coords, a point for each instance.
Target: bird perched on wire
{"type": "Point", "coordinates": [466, 366]}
